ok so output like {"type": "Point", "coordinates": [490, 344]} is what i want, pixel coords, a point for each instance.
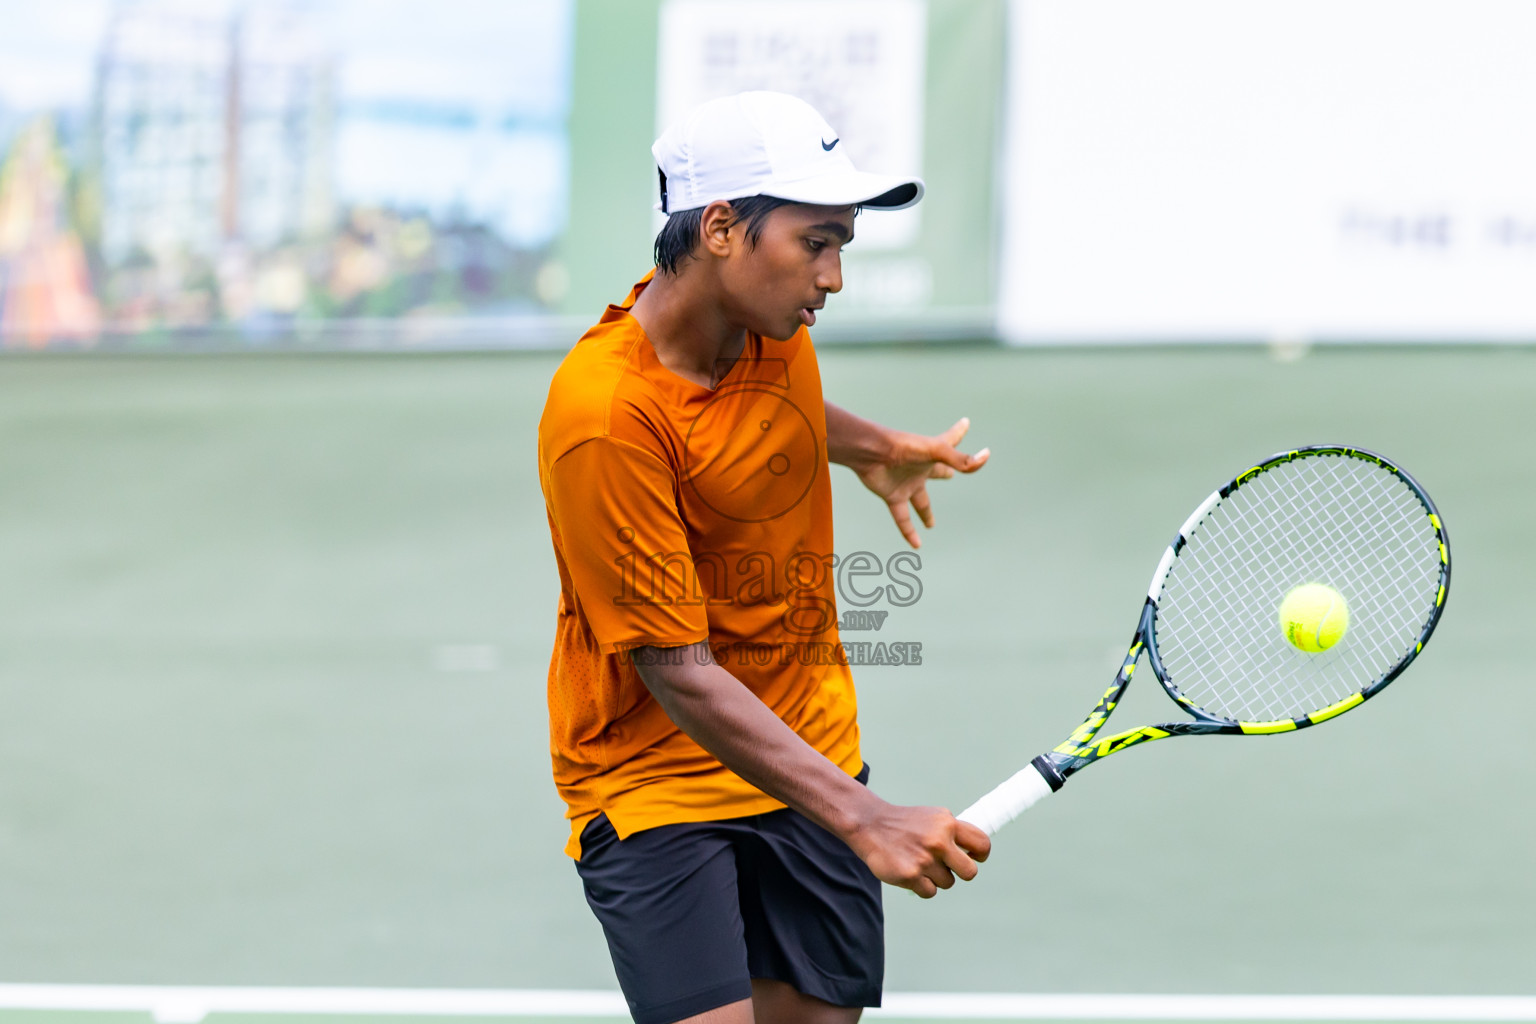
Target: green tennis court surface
{"type": "Point", "coordinates": [273, 636]}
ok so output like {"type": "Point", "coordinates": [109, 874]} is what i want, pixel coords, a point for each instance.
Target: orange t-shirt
{"type": "Point", "coordinates": [679, 514]}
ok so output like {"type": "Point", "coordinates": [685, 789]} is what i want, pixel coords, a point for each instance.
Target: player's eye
{"type": "Point", "coordinates": [818, 244]}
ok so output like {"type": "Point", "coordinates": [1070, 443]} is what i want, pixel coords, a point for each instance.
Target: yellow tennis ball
{"type": "Point", "coordinates": [1314, 617]}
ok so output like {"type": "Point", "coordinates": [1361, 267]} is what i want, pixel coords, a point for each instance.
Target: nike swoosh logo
{"type": "Point", "coordinates": [828, 145]}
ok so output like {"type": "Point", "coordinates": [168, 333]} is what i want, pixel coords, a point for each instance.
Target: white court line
{"type": "Point", "coordinates": [190, 1004]}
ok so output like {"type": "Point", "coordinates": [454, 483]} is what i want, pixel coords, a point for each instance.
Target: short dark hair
{"type": "Point", "coordinates": [679, 236]}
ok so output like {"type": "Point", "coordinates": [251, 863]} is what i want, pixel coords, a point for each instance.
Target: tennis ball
{"type": "Point", "coordinates": [1314, 617]}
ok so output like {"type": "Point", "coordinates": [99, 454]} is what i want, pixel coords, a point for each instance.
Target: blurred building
{"type": "Point", "coordinates": [285, 106]}
{"type": "Point", "coordinates": [214, 130]}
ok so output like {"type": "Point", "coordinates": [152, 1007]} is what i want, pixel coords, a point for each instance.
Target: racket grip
{"type": "Point", "coordinates": [1011, 799]}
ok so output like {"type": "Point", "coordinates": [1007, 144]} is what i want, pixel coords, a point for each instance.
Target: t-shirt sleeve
{"type": "Point", "coordinates": [615, 507]}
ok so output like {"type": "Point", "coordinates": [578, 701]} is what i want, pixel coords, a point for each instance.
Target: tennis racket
{"type": "Point", "coordinates": [1210, 627]}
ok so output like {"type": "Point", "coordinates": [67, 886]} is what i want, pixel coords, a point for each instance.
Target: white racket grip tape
{"type": "Point", "coordinates": [1009, 800]}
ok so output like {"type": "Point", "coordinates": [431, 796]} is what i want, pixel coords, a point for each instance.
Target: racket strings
{"type": "Point", "coordinates": [1271, 693]}
{"type": "Point", "coordinates": [1353, 535]}
{"type": "Point", "coordinates": [1338, 520]}
{"type": "Point", "coordinates": [1267, 696]}
{"type": "Point", "coordinates": [1280, 696]}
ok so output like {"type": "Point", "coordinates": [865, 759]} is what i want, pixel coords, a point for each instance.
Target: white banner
{"type": "Point", "coordinates": [860, 63]}
{"type": "Point", "coordinates": [1210, 169]}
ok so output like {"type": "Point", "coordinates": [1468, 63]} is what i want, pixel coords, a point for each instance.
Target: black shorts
{"type": "Point", "coordinates": [694, 912]}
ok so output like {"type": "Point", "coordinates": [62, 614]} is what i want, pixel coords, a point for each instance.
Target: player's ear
{"type": "Point", "coordinates": [715, 228]}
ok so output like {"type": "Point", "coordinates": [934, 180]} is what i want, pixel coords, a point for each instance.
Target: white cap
{"type": "Point", "coordinates": [767, 144]}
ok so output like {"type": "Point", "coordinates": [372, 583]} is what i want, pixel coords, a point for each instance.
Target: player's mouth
{"type": "Point", "coordinates": [808, 315]}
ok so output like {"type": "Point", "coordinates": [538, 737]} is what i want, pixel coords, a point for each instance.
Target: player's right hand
{"type": "Point", "coordinates": [920, 848]}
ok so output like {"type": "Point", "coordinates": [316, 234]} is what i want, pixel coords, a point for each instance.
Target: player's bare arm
{"type": "Point", "coordinates": [897, 465]}
{"type": "Point", "coordinates": [917, 848]}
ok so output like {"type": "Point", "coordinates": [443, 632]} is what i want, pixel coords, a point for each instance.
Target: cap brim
{"type": "Point", "coordinates": [851, 188]}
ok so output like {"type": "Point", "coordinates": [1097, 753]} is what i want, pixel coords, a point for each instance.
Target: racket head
{"type": "Point", "coordinates": [1345, 517]}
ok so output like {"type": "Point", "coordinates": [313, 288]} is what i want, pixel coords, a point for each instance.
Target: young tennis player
{"type": "Point", "coordinates": [702, 716]}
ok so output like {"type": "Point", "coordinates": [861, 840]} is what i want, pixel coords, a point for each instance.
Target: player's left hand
{"type": "Point", "coordinates": [902, 478]}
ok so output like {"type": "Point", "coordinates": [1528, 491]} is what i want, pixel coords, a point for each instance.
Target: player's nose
{"type": "Point", "coordinates": [830, 278]}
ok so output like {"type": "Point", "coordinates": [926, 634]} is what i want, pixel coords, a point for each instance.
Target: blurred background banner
{"type": "Point", "coordinates": [339, 174]}
{"type": "Point", "coordinates": [1200, 170]}
{"type": "Point", "coordinates": [387, 173]}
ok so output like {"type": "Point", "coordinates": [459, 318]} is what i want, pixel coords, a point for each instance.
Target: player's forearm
{"type": "Point", "coordinates": [731, 723]}
{"type": "Point", "coordinates": [855, 442]}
